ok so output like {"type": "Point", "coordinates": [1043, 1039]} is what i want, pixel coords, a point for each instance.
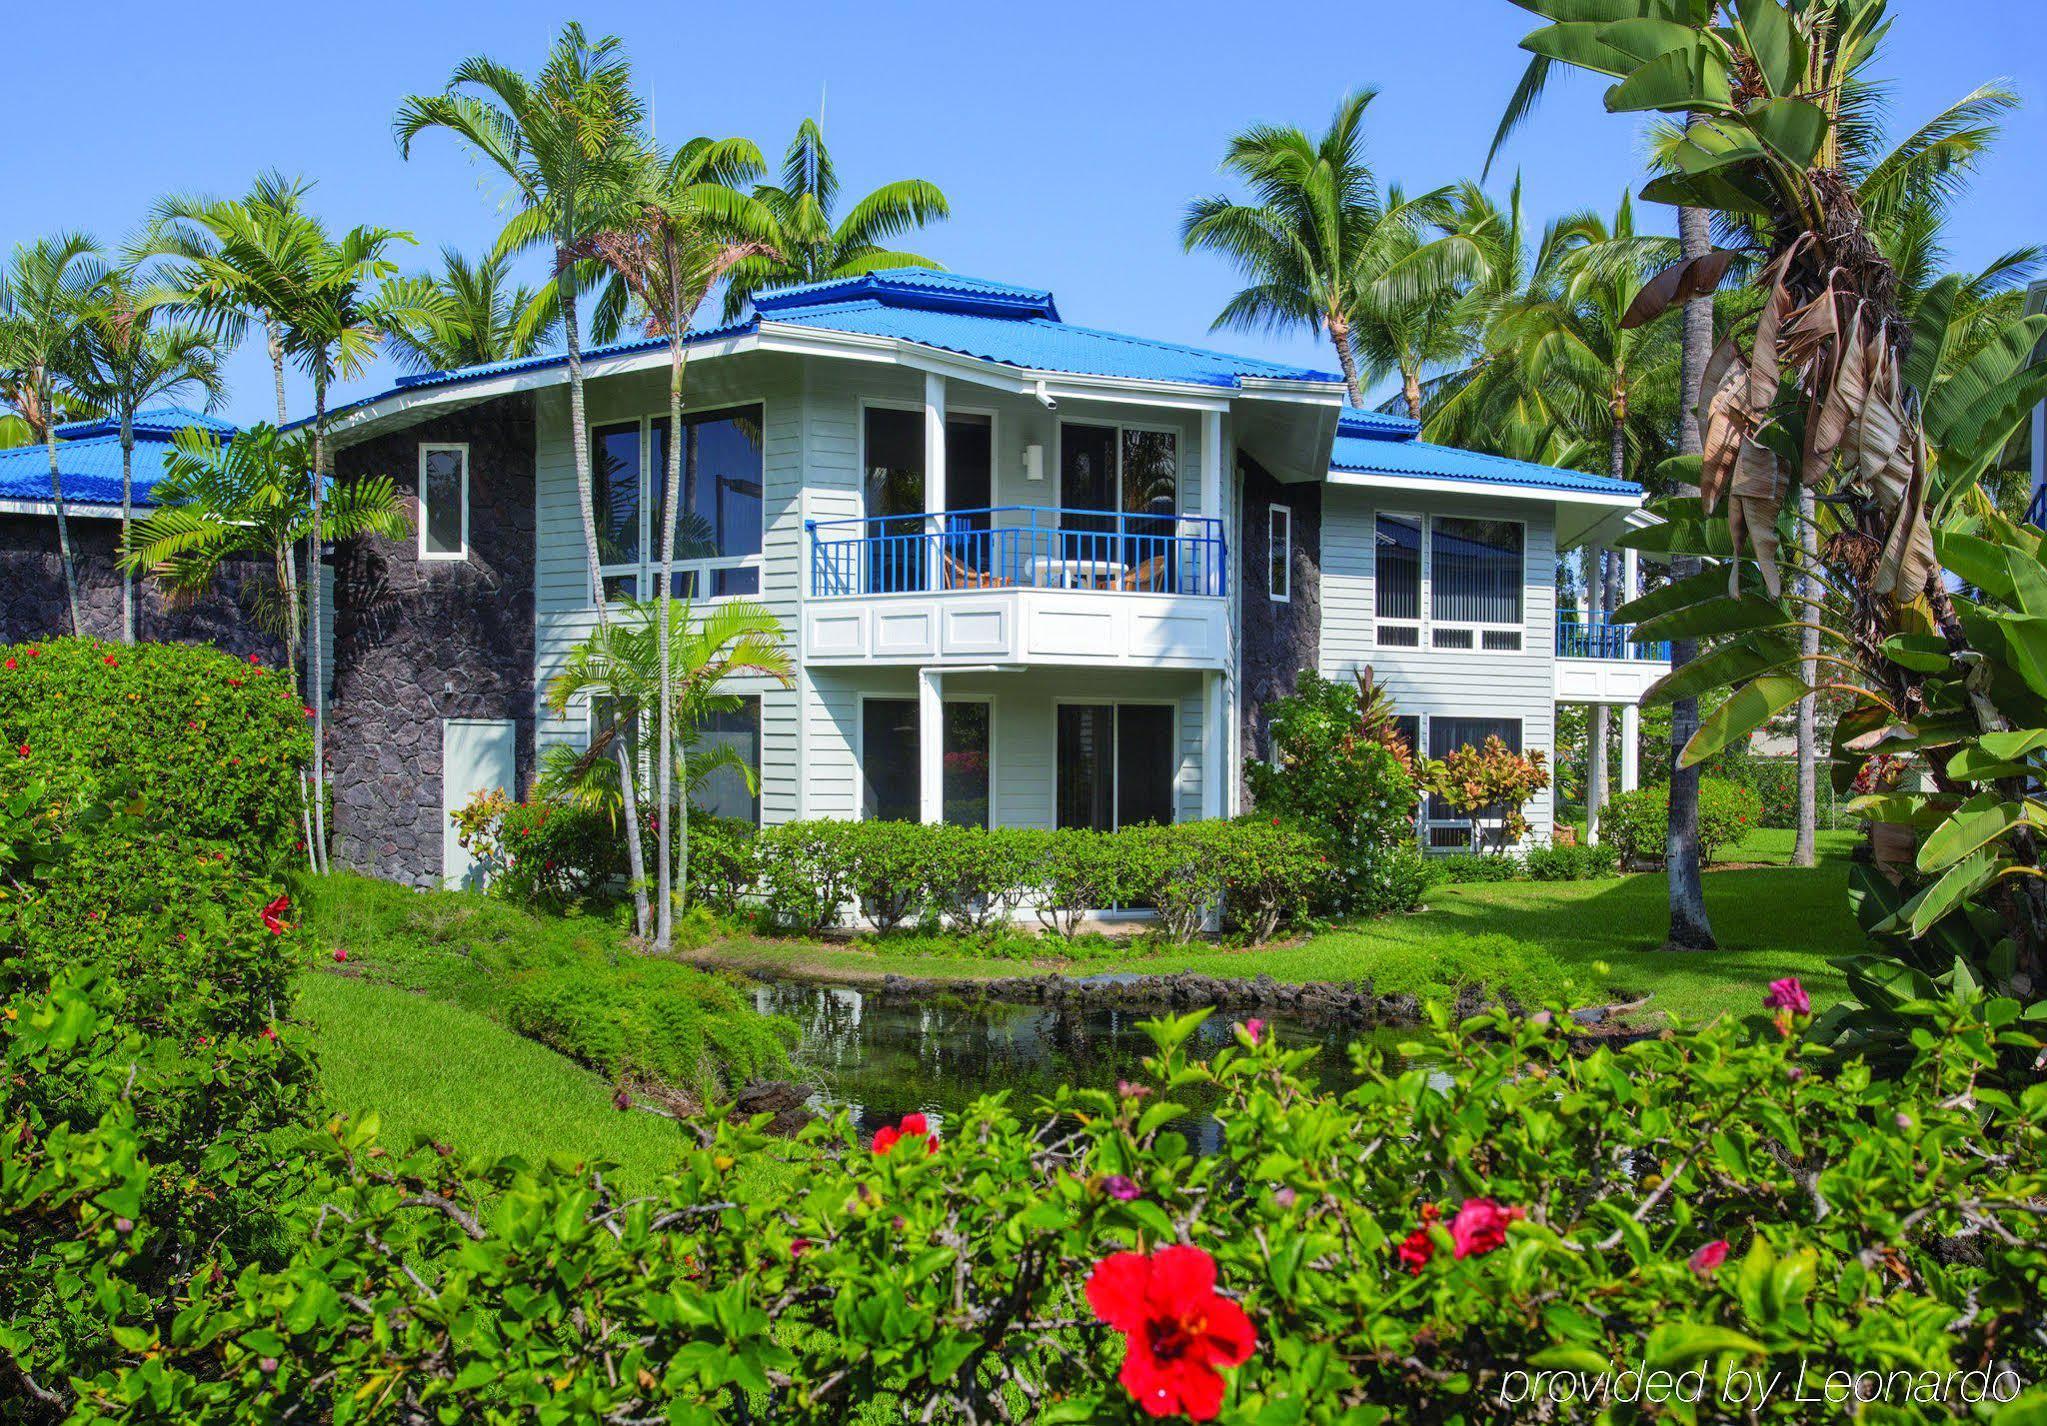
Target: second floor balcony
{"type": "Point", "coordinates": [1594, 639]}
{"type": "Point", "coordinates": [1018, 584]}
{"type": "Point", "coordinates": [1019, 547]}
{"type": "Point", "coordinates": [1598, 662]}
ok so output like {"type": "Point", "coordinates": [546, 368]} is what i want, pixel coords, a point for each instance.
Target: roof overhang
{"type": "Point", "coordinates": [73, 509]}
{"type": "Point", "coordinates": [396, 409]}
{"type": "Point", "coordinates": [1581, 515]}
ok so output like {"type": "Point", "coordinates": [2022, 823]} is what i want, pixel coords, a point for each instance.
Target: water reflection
{"type": "Point", "coordinates": [882, 1059]}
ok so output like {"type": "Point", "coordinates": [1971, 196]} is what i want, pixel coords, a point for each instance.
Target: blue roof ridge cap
{"type": "Point", "coordinates": [1273, 369]}
{"type": "Point", "coordinates": [933, 289]}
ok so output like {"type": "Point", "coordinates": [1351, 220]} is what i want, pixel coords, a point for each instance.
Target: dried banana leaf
{"type": "Point", "coordinates": [1757, 498]}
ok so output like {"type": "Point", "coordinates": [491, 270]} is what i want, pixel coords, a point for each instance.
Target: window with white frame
{"type": "Point", "coordinates": [444, 501]}
{"type": "Point", "coordinates": [1446, 827]}
{"type": "Point", "coordinates": [719, 522]}
{"type": "Point", "coordinates": [722, 754]}
{"type": "Point", "coordinates": [1449, 581]}
{"type": "Point", "coordinates": [1279, 534]}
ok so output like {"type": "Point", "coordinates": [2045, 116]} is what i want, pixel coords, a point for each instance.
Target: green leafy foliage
{"type": "Point", "coordinates": [1576, 862]}
{"type": "Point", "coordinates": [1636, 823]}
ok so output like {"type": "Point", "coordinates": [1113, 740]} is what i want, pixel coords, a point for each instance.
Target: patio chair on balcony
{"type": "Point", "coordinates": [960, 575]}
{"type": "Point", "coordinates": [1151, 577]}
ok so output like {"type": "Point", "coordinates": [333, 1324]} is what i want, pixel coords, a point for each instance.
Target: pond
{"type": "Point", "coordinates": [882, 1058]}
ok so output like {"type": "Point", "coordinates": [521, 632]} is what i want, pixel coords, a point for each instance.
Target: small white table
{"type": "Point", "coordinates": [1057, 572]}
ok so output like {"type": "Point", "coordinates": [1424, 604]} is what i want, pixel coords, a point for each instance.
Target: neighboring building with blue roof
{"type": "Point", "coordinates": [1033, 573]}
{"type": "Point", "coordinates": [32, 602]}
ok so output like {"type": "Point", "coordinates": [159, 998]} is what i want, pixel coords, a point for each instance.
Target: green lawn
{"type": "Point", "coordinates": [455, 1075]}
{"type": "Point", "coordinates": [1598, 938]}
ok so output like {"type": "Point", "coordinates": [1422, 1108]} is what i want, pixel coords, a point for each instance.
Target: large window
{"type": "Point", "coordinates": [891, 770]}
{"type": "Point", "coordinates": [1450, 581]}
{"type": "Point", "coordinates": [444, 502]}
{"type": "Point", "coordinates": [1132, 471]}
{"type": "Point", "coordinates": [1446, 826]}
{"type": "Point", "coordinates": [718, 528]}
{"type": "Point", "coordinates": [893, 488]}
{"type": "Point", "coordinates": [726, 791]}
{"type": "Point", "coordinates": [1116, 765]}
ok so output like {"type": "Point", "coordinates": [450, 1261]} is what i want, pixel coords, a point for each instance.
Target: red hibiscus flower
{"type": "Point", "coordinates": [274, 913]}
{"type": "Point", "coordinates": [111, 662]}
{"type": "Point", "coordinates": [255, 662]}
{"type": "Point", "coordinates": [35, 653]}
{"type": "Point", "coordinates": [911, 1126]}
{"type": "Point", "coordinates": [10, 663]}
{"type": "Point", "coordinates": [1177, 1329]}
{"type": "Point", "coordinates": [1481, 1226]}
{"type": "Point", "coordinates": [1787, 994]}
{"type": "Point", "coordinates": [1416, 1249]}
{"type": "Point", "coordinates": [1709, 1257]}
{"type": "Point", "coordinates": [23, 750]}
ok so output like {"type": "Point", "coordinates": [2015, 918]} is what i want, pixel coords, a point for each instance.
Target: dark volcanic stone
{"type": "Point", "coordinates": [1279, 639]}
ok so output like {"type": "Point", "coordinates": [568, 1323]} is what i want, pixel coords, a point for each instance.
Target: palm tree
{"type": "Point", "coordinates": [137, 351]}
{"type": "Point", "coordinates": [242, 260]}
{"type": "Point", "coordinates": [1318, 237]}
{"type": "Point", "coordinates": [691, 226]}
{"type": "Point", "coordinates": [472, 313]}
{"type": "Point", "coordinates": [567, 141]}
{"type": "Point", "coordinates": [44, 299]}
{"type": "Point", "coordinates": [332, 332]}
{"type": "Point", "coordinates": [250, 497]}
{"type": "Point", "coordinates": [810, 244]}
{"type": "Point", "coordinates": [655, 645]}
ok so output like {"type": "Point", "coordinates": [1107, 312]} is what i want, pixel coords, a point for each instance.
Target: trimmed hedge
{"type": "Point", "coordinates": [1636, 823]}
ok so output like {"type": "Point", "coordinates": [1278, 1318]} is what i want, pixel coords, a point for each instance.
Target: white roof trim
{"type": "Point", "coordinates": [1498, 490]}
{"type": "Point", "coordinates": [73, 509]}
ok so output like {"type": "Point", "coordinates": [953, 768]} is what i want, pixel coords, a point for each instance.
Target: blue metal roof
{"type": "Point", "coordinates": [89, 463]}
{"type": "Point", "coordinates": [947, 311]}
{"type": "Point", "coordinates": [1378, 444]}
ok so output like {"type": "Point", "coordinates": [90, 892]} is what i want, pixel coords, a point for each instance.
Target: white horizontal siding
{"type": "Point", "coordinates": [1448, 682]}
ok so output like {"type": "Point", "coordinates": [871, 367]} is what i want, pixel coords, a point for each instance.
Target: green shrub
{"type": "Point", "coordinates": [889, 867]}
{"type": "Point", "coordinates": [1636, 823]}
{"type": "Point", "coordinates": [1572, 862]}
{"type": "Point", "coordinates": [1330, 775]}
{"type": "Point", "coordinates": [1463, 1213]}
{"type": "Point", "coordinates": [1460, 867]}
{"type": "Point", "coordinates": [806, 873]}
{"type": "Point", "coordinates": [977, 878]}
{"type": "Point", "coordinates": [1273, 876]}
{"type": "Point", "coordinates": [724, 861]}
{"type": "Point", "coordinates": [1074, 872]}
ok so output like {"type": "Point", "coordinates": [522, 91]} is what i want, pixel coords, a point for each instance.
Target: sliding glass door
{"type": "Point", "coordinates": [1116, 765]}
{"type": "Point", "coordinates": [898, 499]}
{"type": "Point", "coordinates": [1109, 470]}
{"type": "Point", "coordinates": [891, 767]}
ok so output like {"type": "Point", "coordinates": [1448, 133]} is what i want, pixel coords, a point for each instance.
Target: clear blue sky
{"type": "Point", "coordinates": [1068, 137]}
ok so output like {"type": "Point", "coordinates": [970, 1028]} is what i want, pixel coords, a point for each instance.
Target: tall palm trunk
{"type": "Point", "coordinates": [1411, 388]}
{"type": "Point", "coordinates": [315, 664]}
{"type": "Point", "coordinates": [1339, 337]}
{"type": "Point", "coordinates": [673, 872]}
{"type": "Point", "coordinates": [273, 332]}
{"type": "Point", "coordinates": [636, 860]}
{"type": "Point", "coordinates": [127, 522]}
{"type": "Point", "coordinates": [1689, 927]}
{"type": "Point", "coordinates": [1804, 849]}
{"type": "Point", "coordinates": [64, 558]}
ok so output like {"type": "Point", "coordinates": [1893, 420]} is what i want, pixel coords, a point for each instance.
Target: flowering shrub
{"type": "Point", "coordinates": [1331, 774]}
{"type": "Point", "coordinates": [1491, 783]}
{"type": "Point", "coordinates": [1508, 1201]}
{"type": "Point", "coordinates": [545, 852]}
{"type": "Point", "coordinates": [1635, 823]}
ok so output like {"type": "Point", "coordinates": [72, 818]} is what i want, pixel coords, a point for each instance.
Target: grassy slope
{"type": "Point", "coordinates": [1772, 920]}
{"type": "Point", "coordinates": [460, 1078]}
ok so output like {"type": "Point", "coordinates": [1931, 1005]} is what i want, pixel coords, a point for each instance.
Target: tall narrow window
{"type": "Point", "coordinates": [1279, 533]}
{"type": "Point", "coordinates": [968, 750]}
{"type": "Point", "coordinates": [1397, 581]}
{"type": "Point", "coordinates": [893, 439]}
{"type": "Point", "coordinates": [727, 791]}
{"type": "Point", "coordinates": [1447, 826]}
{"type": "Point", "coordinates": [444, 502]}
{"type": "Point", "coordinates": [891, 763]}
{"type": "Point", "coordinates": [616, 480]}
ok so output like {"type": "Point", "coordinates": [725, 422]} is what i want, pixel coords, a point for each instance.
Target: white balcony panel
{"type": "Point", "coordinates": [1613, 681]}
{"type": "Point", "coordinates": [1069, 627]}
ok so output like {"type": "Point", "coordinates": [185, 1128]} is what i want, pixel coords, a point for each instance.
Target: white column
{"type": "Point", "coordinates": [1215, 745]}
{"type": "Point", "coordinates": [930, 745]}
{"type": "Point", "coordinates": [934, 478]}
{"type": "Point", "coordinates": [1631, 752]}
{"type": "Point", "coordinates": [1211, 497]}
{"type": "Point", "coordinates": [1595, 587]}
{"type": "Point", "coordinates": [1595, 771]}
{"type": "Point", "coordinates": [1631, 574]}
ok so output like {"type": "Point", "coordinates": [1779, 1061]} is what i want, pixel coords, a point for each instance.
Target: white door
{"type": "Point", "coordinates": [477, 755]}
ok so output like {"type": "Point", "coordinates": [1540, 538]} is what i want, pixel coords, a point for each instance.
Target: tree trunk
{"type": "Point", "coordinates": [671, 818]}
{"type": "Point", "coordinates": [579, 436]}
{"type": "Point", "coordinates": [127, 522]}
{"type": "Point", "coordinates": [64, 559]}
{"type": "Point", "coordinates": [1339, 337]}
{"type": "Point", "coordinates": [1689, 927]}
{"type": "Point", "coordinates": [1804, 850]}
{"type": "Point", "coordinates": [1411, 388]}
{"type": "Point", "coordinates": [274, 335]}
{"type": "Point", "coordinates": [315, 670]}
{"type": "Point", "coordinates": [293, 631]}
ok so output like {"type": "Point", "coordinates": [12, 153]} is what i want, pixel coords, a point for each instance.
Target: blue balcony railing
{"type": "Point", "coordinates": [1578, 639]}
{"type": "Point", "coordinates": [2036, 511]}
{"type": "Point", "coordinates": [1018, 547]}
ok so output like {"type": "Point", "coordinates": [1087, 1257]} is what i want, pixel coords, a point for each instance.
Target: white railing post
{"type": "Point", "coordinates": [1209, 556]}
{"type": "Point", "coordinates": [1631, 752]}
{"type": "Point", "coordinates": [934, 480]}
{"type": "Point", "coordinates": [930, 746]}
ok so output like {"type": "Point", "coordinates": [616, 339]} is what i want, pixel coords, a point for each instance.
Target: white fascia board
{"type": "Point", "coordinates": [1278, 388]}
{"type": "Point", "coordinates": [73, 510]}
{"type": "Point", "coordinates": [1489, 488]}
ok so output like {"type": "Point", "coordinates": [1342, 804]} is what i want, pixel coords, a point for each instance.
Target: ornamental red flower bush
{"type": "Point", "coordinates": [1178, 1331]}
{"type": "Point", "coordinates": [274, 914]}
{"type": "Point", "coordinates": [911, 1126]}
{"type": "Point", "coordinates": [1481, 1226]}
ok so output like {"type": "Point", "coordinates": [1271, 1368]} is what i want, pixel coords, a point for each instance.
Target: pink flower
{"type": "Point", "coordinates": [1481, 1226]}
{"type": "Point", "coordinates": [1119, 1187]}
{"type": "Point", "coordinates": [1709, 1257]}
{"type": "Point", "coordinates": [1126, 1090]}
{"type": "Point", "coordinates": [1253, 1029]}
{"type": "Point", "coordinates": [1788, 994]}
{"type": "Point", "coordinates": [340, 954]}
